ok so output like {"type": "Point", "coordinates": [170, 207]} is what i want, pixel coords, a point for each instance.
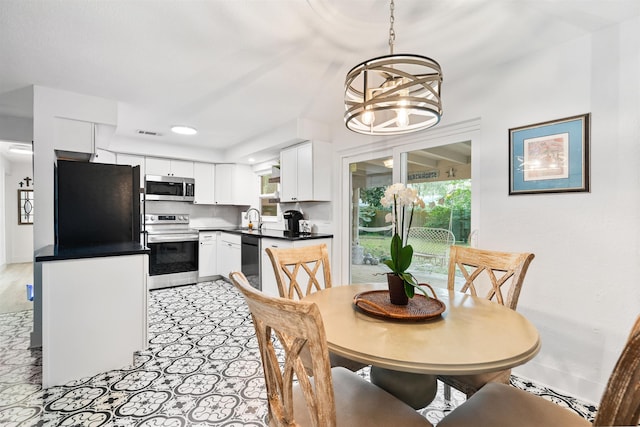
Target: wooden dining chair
{"type": "Point", "coordinates": [503, 405]}
{"type": "Point", "coordinates": [332, 396]}
{"type": "Point", "coordinates": [496, 276]}
{"type": "Point", "coordinates": [301, 271]}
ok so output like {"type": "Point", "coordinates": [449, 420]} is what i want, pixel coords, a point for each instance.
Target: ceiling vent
{"type": "Point", "coordinates": [147, 132]}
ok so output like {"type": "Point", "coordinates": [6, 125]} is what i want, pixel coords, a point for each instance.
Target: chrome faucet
{"type": "Point", "coordinates": [259, 216]}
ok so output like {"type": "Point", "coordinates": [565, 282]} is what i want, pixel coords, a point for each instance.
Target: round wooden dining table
{"type": "Point", "coordinates": [472, 336]}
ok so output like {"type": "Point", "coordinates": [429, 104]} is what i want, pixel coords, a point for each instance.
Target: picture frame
{"type": "Point", "coordinates": [550, 157]}
{"type": "Point", "coordinates": [25, 207]}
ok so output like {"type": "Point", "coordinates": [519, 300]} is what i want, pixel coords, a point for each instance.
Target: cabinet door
{"type": "Point", "coordinates": [267, 275]}
{"type": "Point", "coordinates": [104, 156]}
{"type": "Point", "coordinates": [229, 254]}
{"type": "Point", "coordinates": [304, 172]}
{"type": "Point", "coordinates": [74, 135]}
{"type": "Point", "coordinates": [129, 159]}
{"type": "Point", "coordinates": [246, 185]}
{"type": "Point", "coordinates": [182, 168]}
{"type": "Point", "coordinates": [289, 175]}
{"type": "Point", "coordinates": [157, 166]}
{"type": "Point", "coordinates": [204, 175]}
{"type": "Point", "coordinates": [223, 188]}
{"type": "Point", "coordinates": [207, 254]}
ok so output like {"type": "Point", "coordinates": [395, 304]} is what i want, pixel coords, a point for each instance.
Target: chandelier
{"type": "Point", "coordinates": [393, 94]}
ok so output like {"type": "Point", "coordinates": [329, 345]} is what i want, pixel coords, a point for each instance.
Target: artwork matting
{"type": "Point", "coordinates": [550, 157]}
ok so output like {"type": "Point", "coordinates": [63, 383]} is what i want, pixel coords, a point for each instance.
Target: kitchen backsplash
{"type": "Point", "coordinates": [317, 213]}
{"type": "Point", "coordinates": [200, 215]}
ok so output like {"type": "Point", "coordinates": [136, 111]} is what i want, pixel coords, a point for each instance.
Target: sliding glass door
{"type": "Point", "coordinates": [370, 234]}
{"type": "Point", "coordinates": [442, 177]}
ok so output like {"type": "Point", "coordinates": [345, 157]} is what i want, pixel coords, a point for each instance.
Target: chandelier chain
{"type": "Point", "coordinates": [392, 33]}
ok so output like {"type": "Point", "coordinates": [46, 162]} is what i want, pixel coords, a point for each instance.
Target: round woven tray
{"type": "Point", "coordinates": [377, 303]}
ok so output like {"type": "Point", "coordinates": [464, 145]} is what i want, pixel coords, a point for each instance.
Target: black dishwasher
{"type": "Point", "coordinates": [250, 256]}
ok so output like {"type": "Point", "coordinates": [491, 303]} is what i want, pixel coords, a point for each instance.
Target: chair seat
{"type": "Point", "coordinates": [503, 405]}
{"type": "Point", "coordinates": [360, 403]}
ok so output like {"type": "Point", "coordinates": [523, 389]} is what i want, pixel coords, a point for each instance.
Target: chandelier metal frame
{"type": "Point", "coordinates": [393, 94]}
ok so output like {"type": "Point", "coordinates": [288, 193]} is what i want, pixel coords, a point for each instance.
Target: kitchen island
{"type": "Point", "coordinates": [94, 309]}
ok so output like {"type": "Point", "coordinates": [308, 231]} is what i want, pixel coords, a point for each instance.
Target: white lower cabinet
{"type": "Point", "coordinates": [207, 254]}
{"type": "Point", "coordinates": [229, 253]}
{"type": "Point", "coordinates": [94, 315]}
{"type": "Point", "coordinates": [269, 284]}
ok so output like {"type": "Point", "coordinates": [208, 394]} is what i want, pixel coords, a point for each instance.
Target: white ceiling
{"type": "Point", "coordinates": [238, 69]}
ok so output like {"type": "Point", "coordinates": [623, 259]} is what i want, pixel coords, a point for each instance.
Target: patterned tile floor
{"type": "Point", "coordinates": [202, 369]}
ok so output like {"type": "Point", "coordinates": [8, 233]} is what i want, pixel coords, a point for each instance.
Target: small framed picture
{"type": "Point", "coordinates": [550, 157]}
{"type": "Point", "coordinates": [25, 207]}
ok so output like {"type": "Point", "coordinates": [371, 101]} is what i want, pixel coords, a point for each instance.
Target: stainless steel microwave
{"type": "Point", "coordinates": [173, 188]}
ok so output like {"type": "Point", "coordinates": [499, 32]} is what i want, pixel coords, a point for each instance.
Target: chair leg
{"type": "Point", "coordinates": [447, 392]}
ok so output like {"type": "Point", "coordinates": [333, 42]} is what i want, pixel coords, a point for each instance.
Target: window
{"type": "Point", "coordinates": [269, 196]}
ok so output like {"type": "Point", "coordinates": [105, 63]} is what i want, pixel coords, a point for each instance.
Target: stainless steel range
{"type": "Point", "coordinates": [174, 250]}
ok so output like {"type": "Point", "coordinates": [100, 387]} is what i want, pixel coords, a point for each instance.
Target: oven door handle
{"type": "Point", "coordinates": [168, 238]}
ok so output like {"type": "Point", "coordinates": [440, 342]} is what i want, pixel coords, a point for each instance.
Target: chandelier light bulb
{"type": "Point", "coordinates": [402, 117]}
{"type": "Point", "coordinates": [368, 117]}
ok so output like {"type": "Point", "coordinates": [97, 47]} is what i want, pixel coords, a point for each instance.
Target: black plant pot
{"type": "Point", "coordinates": [397, 295]}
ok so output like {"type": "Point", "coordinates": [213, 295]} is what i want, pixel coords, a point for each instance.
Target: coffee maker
{"type": "Point", "coordinates": [291, 221]}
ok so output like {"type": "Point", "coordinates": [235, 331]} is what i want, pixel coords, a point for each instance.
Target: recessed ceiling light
{"type": "Point", "coordinates": [184, 130]}
{"type": "Point", "coordinates": [251, 160]}
{"type": "Point", "coordinates": [20, 149]}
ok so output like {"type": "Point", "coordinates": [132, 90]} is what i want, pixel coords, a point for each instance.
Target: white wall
{"type": "Point", "coordinates": [581, 290]}
{"type": "Point", "coordinates": [4, 167]}
{"type": "Point", "coordinates": [19, 238]}
{"type": "Point", "coordinates": [17, 129]}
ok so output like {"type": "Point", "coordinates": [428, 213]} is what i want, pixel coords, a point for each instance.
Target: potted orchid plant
{"type": "Point", "coordinates": [402, 201]}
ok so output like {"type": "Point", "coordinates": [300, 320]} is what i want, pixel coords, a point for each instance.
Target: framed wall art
{"type": "Point", "coordinates": [25, 207]}
{"type": "Point", "coordinates": [550, 157]}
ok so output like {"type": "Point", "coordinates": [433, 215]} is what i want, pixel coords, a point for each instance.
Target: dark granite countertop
{"type": "Point", "coordinates": [55, 253]}
{"type": "Point", "coordinates": [272, 234]}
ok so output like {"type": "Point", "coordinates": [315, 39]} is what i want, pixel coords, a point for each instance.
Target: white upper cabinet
{"type": "Point", "coordinates": [182, 168]}
{"type": "Point", "coordinates": [74, 135]}
{"type": "Point", "coordinates": [305, 172]}
{"type": "Point", "coordinates": [204, 175]}
{"type": "Point", "coordinates": [104, 156]}
{"type": "Point", "coordinates": [235, 185]}
{"type": "Point", "coordinates": [133, 160]}
{"type": "Point", "coordinates": [168, 167]}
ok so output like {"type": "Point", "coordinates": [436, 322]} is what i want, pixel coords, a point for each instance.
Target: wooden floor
{"type": "Point", "coordinates": [13, 287]}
